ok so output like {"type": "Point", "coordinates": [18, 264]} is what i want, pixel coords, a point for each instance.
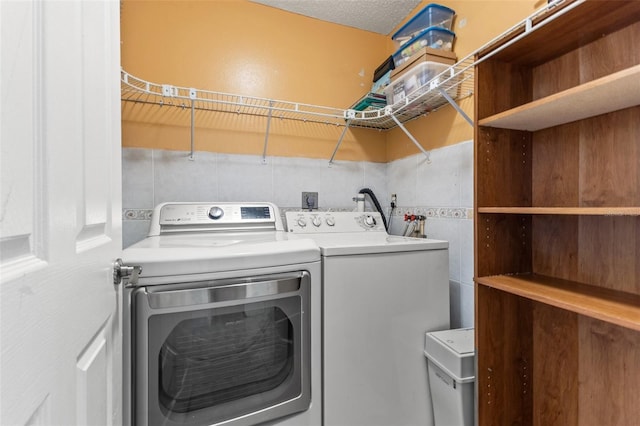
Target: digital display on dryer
{"type": "Point", "coordinates": [255, 212]}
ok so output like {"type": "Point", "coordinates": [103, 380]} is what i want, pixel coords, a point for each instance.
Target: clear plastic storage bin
{"type": "Point", "coordinates": [433, 37]}
{"type": "Point", "coordinates": [425, 54]}
{"type": "Point", "coordinates": [432, 15]}
{"type": "Point", "coordinates": [414, 79]}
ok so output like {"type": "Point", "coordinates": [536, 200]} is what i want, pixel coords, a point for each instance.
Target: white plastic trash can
{"type": "Point", "coordinates": [451, 364]}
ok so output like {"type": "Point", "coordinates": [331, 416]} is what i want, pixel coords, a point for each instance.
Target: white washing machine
{"type": "Point", "coordinates": [222, 319]}
{"type": "Point", "coordinates": [381, 293]}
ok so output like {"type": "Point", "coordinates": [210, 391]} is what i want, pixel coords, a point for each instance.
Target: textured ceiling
{"type": "Point", "coordinates": [378, 16]}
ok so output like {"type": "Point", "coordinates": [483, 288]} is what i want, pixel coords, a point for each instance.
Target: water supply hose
{"type": "Point", "coordinates": [409, 229]}
{"type": "Point", "coordinates": [415, 225]}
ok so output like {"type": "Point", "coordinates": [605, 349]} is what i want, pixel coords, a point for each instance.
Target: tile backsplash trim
{"type": "Point", "coordinates": [429, 212]}
{"type": "Point", "coordinates": [435, 212]}
{"type": "Point", "coordinates": [137, 214]}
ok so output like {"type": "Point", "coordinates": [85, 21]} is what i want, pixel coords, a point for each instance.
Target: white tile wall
{"type": "Point", "coordinates": [137, 178]}
{"type": "Point", "coordinates": [402, 175]}
{"type": "Point", "coordinates": [336, 184]}
{"type": "Point", "coordinates": [443, 182]}
{"type": "Point", "coordinates": [438, 182]}
{"type": "Point", "coordinates": [243, 177]}
{"type": "Point", "coordinates": [151, 177]}
{"type": "Point", "coordinates": [177, 178]}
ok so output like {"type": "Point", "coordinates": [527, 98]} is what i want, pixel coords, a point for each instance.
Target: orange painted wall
{"type": "Point", "coordinates": [245, 48]}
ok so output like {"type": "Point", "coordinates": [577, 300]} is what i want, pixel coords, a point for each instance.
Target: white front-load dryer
{"type": "Point", "coordinates": [222, 320]}
{"type": "Point", "coordinates": [381, 294]}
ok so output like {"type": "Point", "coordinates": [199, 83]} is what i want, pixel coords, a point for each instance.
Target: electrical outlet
{"type": "Point", "coordinates": [310, 200]}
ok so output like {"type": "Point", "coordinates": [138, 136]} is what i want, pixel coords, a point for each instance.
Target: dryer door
{"type": "Point", "coordinates": [233, 351]}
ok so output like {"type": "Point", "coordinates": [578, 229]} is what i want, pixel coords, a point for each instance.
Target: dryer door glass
{"type": "Point", "coordinates": [219, 358]}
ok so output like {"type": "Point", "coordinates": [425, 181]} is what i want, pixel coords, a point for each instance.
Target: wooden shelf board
{"type": "Point", "coordinates": [607, 94]}
{"type": "Point", "coordinates": [575, 211]}
{"type": "Point", "coordinates": [607, 305]}
{"type": "Point", "coordinates": [577, 28]}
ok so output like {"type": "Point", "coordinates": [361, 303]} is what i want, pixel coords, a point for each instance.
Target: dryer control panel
{"type": "Point", "coordinates": [216, 216]}
{"type": "Point", "coordinates": [334, 222]}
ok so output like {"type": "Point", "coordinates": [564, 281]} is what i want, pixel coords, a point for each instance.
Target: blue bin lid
{"type": "Point", "coordinates": [420, 34]}
{"type": "Point", "coordinates": [412, 25]}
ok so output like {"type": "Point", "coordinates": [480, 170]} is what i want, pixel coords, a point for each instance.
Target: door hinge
{"type": "Point", "coordinates": [125, 274]}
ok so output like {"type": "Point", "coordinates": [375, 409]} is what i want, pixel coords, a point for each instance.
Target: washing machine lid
{"type": "Point", "coordinates": [349, 233]}
{"type": "Point", "coordinates": [195, 253]}
{"type": "Point", "coordinates": [343, 244]}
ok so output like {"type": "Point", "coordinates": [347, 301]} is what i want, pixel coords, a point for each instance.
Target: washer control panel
{"type": "Point", "coordinates": [333, 222]}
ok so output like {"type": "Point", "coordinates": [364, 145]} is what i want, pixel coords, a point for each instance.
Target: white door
{"type": "Point", "coordinates": [60, 220]}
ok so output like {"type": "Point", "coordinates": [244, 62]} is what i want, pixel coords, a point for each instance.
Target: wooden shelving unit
{"type": "Point", "coordinates": [557, 226]}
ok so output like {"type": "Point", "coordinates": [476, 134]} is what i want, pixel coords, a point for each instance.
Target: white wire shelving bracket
{"type": "Point", "coordinates": [448, 87]}
{"type": "Point", "coordinates": [266, 134]}
{"type": "Point", "coordinates": [344, 132]}
{"type": "Point", "coordinates": [136, 90]}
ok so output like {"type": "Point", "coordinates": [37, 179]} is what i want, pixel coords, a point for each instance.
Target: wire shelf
{"type": "Point", "coordinates": [457, 81]}
{"type": "Point", "coordinates": [137, 90]}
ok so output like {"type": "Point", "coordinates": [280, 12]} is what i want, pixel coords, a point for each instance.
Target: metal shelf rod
{"type": "Point", "coordinates": [344, 132]}
{"type": "Point", "coordinates": [193, 129]}
{"type": "Point", "coordinates": [404, 129]}
{"type": "Point", "coordinates": [266, 135]}
{"type": "Point", "coordinates": [455, 105]}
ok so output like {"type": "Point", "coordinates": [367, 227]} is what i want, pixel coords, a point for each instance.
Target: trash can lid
{"type": "Point", "coordinates": [453, 351]}
{"type": "Point", "coordinates": [460, 340]}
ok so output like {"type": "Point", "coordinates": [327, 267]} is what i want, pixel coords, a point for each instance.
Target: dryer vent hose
{"type": "Point", "coordinates": [370, 193]}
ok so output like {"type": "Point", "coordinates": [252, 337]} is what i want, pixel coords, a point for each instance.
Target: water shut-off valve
{"type": "Point", "coordinates": [415, 225]}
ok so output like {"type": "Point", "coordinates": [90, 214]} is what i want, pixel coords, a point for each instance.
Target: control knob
{"type": "Point", "coordinates": [216, 213]}
{"type": "Point", "coordinates": [330, 221]}
{"type": "Point", "coordinates": [316, 221]}
{"type": "Point", "coordinates": [302, 222]}
{"type": "Point", "coordinates": [369, 221]}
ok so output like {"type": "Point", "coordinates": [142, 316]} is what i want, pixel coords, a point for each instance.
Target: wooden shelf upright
{"type": "Point", "coordinates": [557, 224]}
